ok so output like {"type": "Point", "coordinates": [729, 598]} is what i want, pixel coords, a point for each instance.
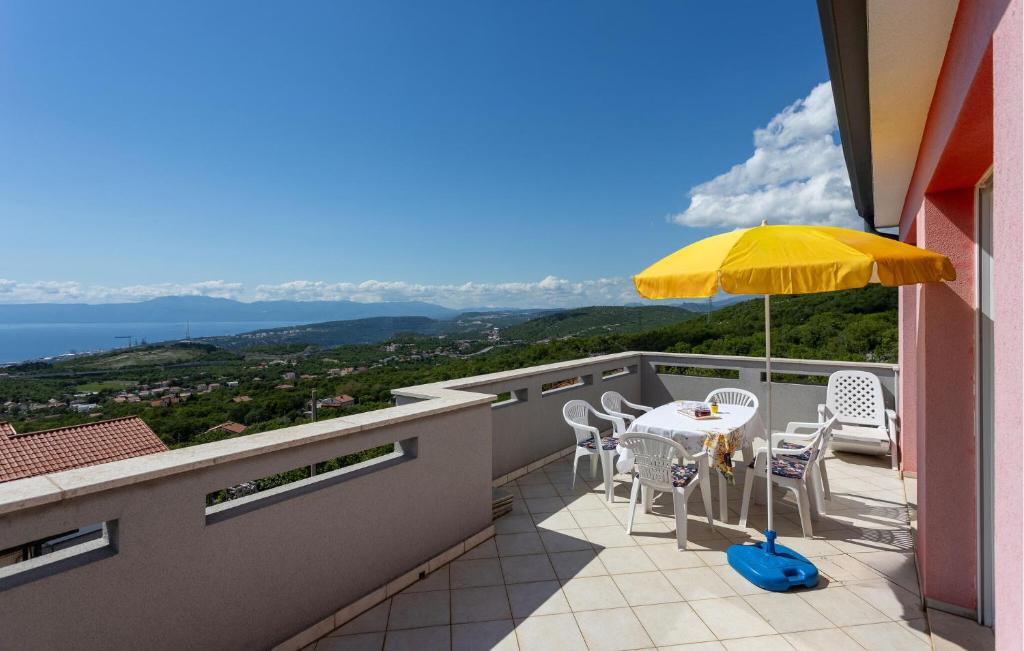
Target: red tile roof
{"type": "Point", "coordinates": [230, 426]}
{"type": "Point", "coordinates": [63, 448]}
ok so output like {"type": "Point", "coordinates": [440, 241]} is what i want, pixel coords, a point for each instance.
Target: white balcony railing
{"type": "Point", "coordinates": [169, 571]}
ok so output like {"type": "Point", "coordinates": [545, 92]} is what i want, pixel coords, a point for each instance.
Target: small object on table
{"type": "Point", "coordinates": [697, 410]}
{"type": "Point", "coordinates": [714, 405]}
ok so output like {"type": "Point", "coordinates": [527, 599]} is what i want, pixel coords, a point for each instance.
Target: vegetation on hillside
{"type": "Point", "coordinates": [594, 321]}
{"type": "Point", "coordinates": [856, 325]}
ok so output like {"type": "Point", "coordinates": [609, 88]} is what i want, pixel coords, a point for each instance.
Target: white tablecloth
{"type": "Point", "coordinates": [667, 421]}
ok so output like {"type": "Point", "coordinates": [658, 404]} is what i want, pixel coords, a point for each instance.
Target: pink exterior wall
{"type": "Point", "coordinates": [945, 405]}
{"type": "Point", "coordinates": [974, 123]}
{"type": "Point", "coordinates": [908, 378]}
{"type": "Point", "coordinates": [1008, 221]}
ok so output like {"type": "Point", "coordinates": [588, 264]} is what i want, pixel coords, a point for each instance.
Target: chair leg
{"type": "Point", "coordinates": [817, 492]}
{"type": "Point", "coordinates": [824, 479]}
{"type": "Point", "coordinates": [803, 503]}
{"type": "Point", "coordinates": [593, 466]}
{"type": "Point", "coordinates": [632, 504]}
{"type": "Point", "coordinates": [647, 494]}
{"type": "Point", "coordinates": [748, 452]}
{"type": "Point", "coordinates": [723, 499]}
{"type": "Point", "coordinates": [679, 507]}
{"type": "Point", "coordinates": [606, 471]}
{"type": "Point", "coordinates": [705, 493]}
{"type": "Point", "coordinates": [748, 485]}
{"type": "Point", "coordinates": [575, 464]}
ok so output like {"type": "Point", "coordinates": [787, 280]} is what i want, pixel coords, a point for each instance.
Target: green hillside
{"type": "Point", "coordinates": [333, 333]}
{"type": "Point", "coordinates": [594, 321]}
{"type": "Point", "coordinates": [854, 325]}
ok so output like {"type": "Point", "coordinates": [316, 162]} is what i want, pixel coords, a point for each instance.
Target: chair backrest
{"type": "Point", "coordinates": [743, 398]}
{"type": "Point", "coordinates": [855, 397]}
{"type": "Point", "coordinates": [612, 401]}
{"type": "Point", "coordinates": [731, 396]}
{"type": "Point", "coordinates": [654, 457]}
{"type": "Point", "coordinates": [577, 416]}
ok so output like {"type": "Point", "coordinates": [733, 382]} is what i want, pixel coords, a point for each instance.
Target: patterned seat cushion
{"type": "Point", "coordinates": [607, 443]}
{"type": "Point", "coordinates": [683, 475]}
{"type": "Point", "coordinates": [803, 456]}
{"type": "Point", "coordinates": [790, 467]}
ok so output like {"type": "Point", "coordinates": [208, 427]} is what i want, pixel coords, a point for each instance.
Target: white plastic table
{"type": "Point", "coordinates": [666, 421]}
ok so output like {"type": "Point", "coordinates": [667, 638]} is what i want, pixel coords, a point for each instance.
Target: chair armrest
{"type": "Point", "coordinates": [892, 423]}
{"type": "Point", "coordinates": [588, 428]}
{"type": "Point", "coordinates": [635, 406]}
{"type": "Point", "coordinates": [621, 414]}
{"type": "Point", "coordinates": [891, 419]}
{"type": "Point", "coordinates": [824, 413]}
{"type": "Point", "coordinates": [795, 425]}
{"type": "Point", "coordinates": [618, 423]}
{"type": "Point", "coordinates": [790, 452]}
{"type": "Point", "coordinates": [702, 460]}
{"type": "Point", "coordinates": [786, 436]}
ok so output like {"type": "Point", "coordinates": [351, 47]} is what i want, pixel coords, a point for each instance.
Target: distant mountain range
{"type": "Point", "coordinates": [170, 309]}
{"type": "Point", "coordinates": [178, 309]}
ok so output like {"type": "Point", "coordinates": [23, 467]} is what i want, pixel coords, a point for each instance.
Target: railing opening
{"type": "Point", "coordinates": [256, 493]}
{"type": "Point", "coordinates": [56, 553]}
{"type": "Point", "coordinates": [698, 371]}
{"type": "Point", "coordinates": [566, 384]}
{"type": "Point", "coordinates": [506, 398]}
{"type": "Point", "coordinates": [796, 378]}
{"type": "Point", "coordinates": [617, 372]}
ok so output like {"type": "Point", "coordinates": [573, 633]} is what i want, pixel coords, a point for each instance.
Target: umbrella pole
{"type": "Point", "coordinates": [770, 532]}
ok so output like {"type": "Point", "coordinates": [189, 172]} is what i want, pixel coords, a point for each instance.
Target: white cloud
{"type": "Point", "coordinates": [53, 291]}
{"type": "Point", "coordinates": [550, 291]}
{"type": "Point", "coordinates": [796, 175]}
{"type": "Point", "coordinates": [547, 292]}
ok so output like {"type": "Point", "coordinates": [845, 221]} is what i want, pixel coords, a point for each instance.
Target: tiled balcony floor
{"type": "Point", "coordinates": [562, 574]}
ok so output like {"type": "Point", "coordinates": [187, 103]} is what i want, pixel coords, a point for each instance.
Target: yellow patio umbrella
{"type": "Point", "coordinates": [787, 259]}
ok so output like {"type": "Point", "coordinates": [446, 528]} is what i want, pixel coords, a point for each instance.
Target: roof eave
{"type": "Point", "coordinates": [845, 34]}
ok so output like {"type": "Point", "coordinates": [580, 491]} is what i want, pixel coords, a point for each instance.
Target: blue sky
{"type": "Point", "coordinates": [461, 152]}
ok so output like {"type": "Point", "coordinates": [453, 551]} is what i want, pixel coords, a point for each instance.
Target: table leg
{"type": "Point", "coordinates": [723, 503]}
{"type": "Point", "coordinates": [607, 461]}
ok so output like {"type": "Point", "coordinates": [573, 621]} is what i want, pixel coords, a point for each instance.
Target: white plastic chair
{"type": "Point", "coordinates": [659, 468]}
{"type": "Point", "coordinates": [792, 468]}
{"type": "Point", "coordinates": [612, 402]}
{"type": "Point", "coordinates": [589, 442]}
{"type": "Point", "coordinates": [863, 424]}
{"type": "Point", "coordinates": [821, 484]}
{"type": "Point", "coordinates": [743, 398]}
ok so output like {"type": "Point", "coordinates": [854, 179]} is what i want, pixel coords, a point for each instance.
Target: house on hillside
{"type": "Point", "coordinates": [336, 402]}
{"type": "Point", "coordinates": [64, 448]}
{"type": "Point", "coordinates": [228, 427]}
{"type": "Point", "coordinates": [74, 446]}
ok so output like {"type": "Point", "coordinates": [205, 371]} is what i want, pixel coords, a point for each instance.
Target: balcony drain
{"type": "Point", "coordinates": [501, 502]}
